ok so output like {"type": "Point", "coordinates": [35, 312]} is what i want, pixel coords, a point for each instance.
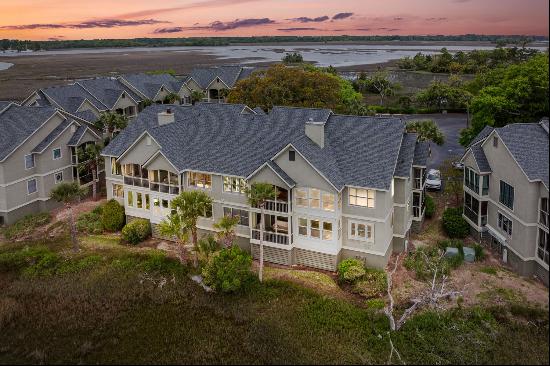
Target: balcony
{"type": "Point", "coordinates": [277, 206]}
{"type": "Point", "coordinates": [164, 188]}
{"type": "Point", "coordinates": [271, 237]}
{"type": "Point", "coordinates": [136, 181]}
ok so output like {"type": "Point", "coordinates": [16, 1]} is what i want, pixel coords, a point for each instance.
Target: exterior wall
{"type": "Point", "coordinates": [87, 106]}
{"type": "Point", "coordinates": [140, 152]}
{"type": "Point", "coordinates": [125, 102]}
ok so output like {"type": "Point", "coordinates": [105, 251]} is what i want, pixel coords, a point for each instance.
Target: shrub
{"type": "Point", "coordinates": [350, 270]}
{"type": "Point", "coordinates": [46, 265]}
{"type": "Point", "coordinates": [375, 304]}
{"type": "Point", "coordinates": [136, 231]}
{"type": "Point", "coordinates": [429, 211]}
{"type": "Point", "coordinates": [112, 216]}
{"type": "Point", "coordinates": [228, 270]}
{"type": "Point", "coordinates": [424, 261]}
{"type": "Point", "coordinates": [480, 253]}
{"type": "Point", "coordinates": [372, 284]}
{"type": "Point", "coordinates": [26, 225]}
{"type": "Point", "coordinates": [454, 224]}
{"type": "Point", "coordinates": [16, 260]}
{"type": "Point", "coordinates": [90, 222]}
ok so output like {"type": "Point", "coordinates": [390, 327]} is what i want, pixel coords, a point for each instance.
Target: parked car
{"type": "Point", "coordinates": [433, 179]}
{"type": "Point", "coordinates": [458, 165]}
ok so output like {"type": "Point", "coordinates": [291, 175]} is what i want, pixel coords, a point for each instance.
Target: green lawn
{"type": "Point", "coordinates": [109, 304]}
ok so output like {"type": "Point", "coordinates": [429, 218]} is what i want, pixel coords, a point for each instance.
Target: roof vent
{"type": "Point", "coordinates": [166, 117]}
{"type": "Point", "coordinates": [316, 132]}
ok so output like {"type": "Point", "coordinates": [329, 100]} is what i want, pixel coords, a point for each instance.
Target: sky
{"type": "Point", "coordinates": [92, 19]}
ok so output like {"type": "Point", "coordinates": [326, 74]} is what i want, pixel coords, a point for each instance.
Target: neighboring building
{"type": "Point", "coordinates": [37, 151]}
{"type": "Point", "coordinates": [4, 104]}
{"type": "Point", "coordinates": [345, 184]}
{"type": "Point", "coordinates": [215, 82]}
{"type": "Point", "coordinates": [506, 194]}
{"type": "Point", "coordinates": [156, 87]}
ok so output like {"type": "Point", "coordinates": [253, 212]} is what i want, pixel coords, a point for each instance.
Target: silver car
{"type": "Point", "coordinates": [433, 179]}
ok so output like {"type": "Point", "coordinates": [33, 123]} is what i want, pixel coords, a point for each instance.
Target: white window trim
{"type": "Point", "coordinates": [35, 185]}
{"type": "Point", "coordinates": [33, 161]}
{"type": "Point", "coordinates": [321, 201]}
{"type": "Point", "coordinates": [231, 191]}
{"type": "Point", "coordinates": [240, 209]}
{"type": "Point", "coordinates": [54, 177]}
{"type": "Point", "coordinates": [509, 219]}
{"type": "Point", "coordinates": [365, 189]}
{"type": "Point", "coordinates": [321, 229]}
{"type": "Point", "coordinates": [60, 153]}
{"type": "Point", "coordinates": [360, 238]}
{"type": "Point", "coordinates": [188, 178]}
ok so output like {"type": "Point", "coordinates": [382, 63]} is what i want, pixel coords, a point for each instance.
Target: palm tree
{"type": "Point", "coordinates": [206, 247]}
{"type": "Point", "coordinates": [68, 193]}
{"type": "Point", "coordinates": [196, 96]}
{"type": "Point", "coordinates": [171, 98]}
{"type": "Point", "coordinates": [111, 122]}
{"type": "Point", "coordinates": [226, 227]}
{"type": "Point", "coordinates": [177, 227]}
{"type": "Point", "coordinates": [191, 205]}
{"type": "Point", "coordinates": [258, 194]}
{"type": "Point", "coordinates": [89, 160]}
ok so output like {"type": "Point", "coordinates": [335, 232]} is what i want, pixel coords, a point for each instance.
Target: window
{"type": "Point", "coordinates": [118, 191]}
{"type": "Point", "coordinates": [495, 141]}
{"type": "Point", "coordinates": [29, 161]}
{"type": "Point", "coordinates": [506, 196]}
{"type": "Point", "coordinates": [542, 250]}
{"type": "Point", "coordinates": [31, 186]}
{"type": "Point", "coordinates": [208, 212]}
{"type": "Point", "coordinates": [130, 198]}
{"type": "Point", "coordinates": [485, 185]}
{"type": "Point", "coordinates": [139, 200]}
{"type": "Point", "coordinates": [233, 184]}
{"type": "Point", "coordinates": [115, 167]}
{"type": "Point", "coordinates": [200, 180]}
{"type": "Point", "coordinates": [56, 153]}
{"type": "Point", "coordinates": [314, 198]}
{"type": "Point", "coordinates": [361, 197]}
{"type": "Point", "coordinates": [58, 177]}
{"type": "Point", "coordinates": [543, 211]}
{"type": "Point", "coordinates": [471, 179]}
{"type": "Point", "coordinates": [235, 212]}
{"type": "Point", "coordinates": [471, 208]}
{"type": "Point", "coordinates": [505, 224]}
{"type": "Point", "coordinates": [315, 229]}
{"type": "Point", "coordinates": [291, 155]}
{"type": "Point", "coordinates": [361, 231]}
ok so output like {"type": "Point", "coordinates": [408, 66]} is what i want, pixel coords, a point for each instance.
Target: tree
{"type": "Point", "coordinates": [89, 161]}
{"type": "Point", "coordinates": [453, 179]}
{"type": "Point", "coordinates": [189, 206]}
{"type": "Point", "coordinates": [196, 96]}
{"type": "Point", "coordinates": [69, 193]}
{"type": "Point", "coordinates": [293, 58]}
{"type": "Point", "coordinates": [111, 122]}
{"type": "Point", "coordinates": [177, 227]}
{"type": "Point", "coordinates": [171, 98]}
{"type": "Point", "coordinates": [442, 95]}
{"type": "Point", "coordinates": [226, 230]}
{"type": "Point", "coordinates": [378, 83]}
{"type": "Point", "coordinates": [258, 195]}
{"type": "Point", "coordinates": [427, 130]}
{"type": "Point", "coordinates": [206, 247]}
{"type": "Point", "coordinates": [302, 86]}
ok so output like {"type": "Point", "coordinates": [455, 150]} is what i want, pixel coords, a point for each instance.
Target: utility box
{"type": "Point", "coordinates": [469, 254]}
{"type": "Point", "coordinates": [451, 252]}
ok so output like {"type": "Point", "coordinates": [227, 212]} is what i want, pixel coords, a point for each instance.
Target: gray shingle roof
{"type": "Point", "coordinates": [528, 143]}
{"type": "Point", "coordinates": [4, 104]}
{"type": "Point", "coordinates": [229, 74]}
{"type": "Point", "coordinates": [77, 135]}
{"type": "Point", "coordinates": [421, 153]}
{"type": "Point", "coordinates": [18, 123]}
{"type": "Point", "coordinates": [406, 155]}
{"type": "Point", "coordinates": [277, 169]}
{"type": "Point", "coordinates": [56, 132]}
{"type": "Point", "coordinates": [480, 158]}
{"type": "Point", "coordinates": [359, 151]}
{"type": "Point", "coordinates": [149, 85]}
{"type": "Point", "coordinates": [70, 97]}
{"type": "Point", "coordinates": [107, 90]}
{"type": "Point", "coordinates": [482, 135]}
{"type": "Point", "coordinates": [88, 116]}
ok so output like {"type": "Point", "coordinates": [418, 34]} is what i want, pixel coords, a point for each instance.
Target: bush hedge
{"type": "Point", "coordinates": [136, 231]}
{"type": "Point", "coordinates": [454, 224]}
{"type": "Point", "coordinates": [430, 207]}
{"type": "Point", "coordinates": [112, 216]}
{"type": "Point", "coordinates": [350, 270]}
{"type": "Point", "coordinates": [228, 270]}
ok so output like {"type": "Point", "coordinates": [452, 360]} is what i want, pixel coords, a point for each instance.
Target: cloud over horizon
{"type": "Point", "coordinates": [102, 23]}
{"type": "Point", "coordinates": [341, 16]}
{"type": "Point", "coordinates": [237, 23]}
{"type": "Point", "coordinates": [310, 20]}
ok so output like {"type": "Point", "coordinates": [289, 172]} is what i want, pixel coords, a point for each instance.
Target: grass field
{"type": "Point", "coordinates": [115, 304]}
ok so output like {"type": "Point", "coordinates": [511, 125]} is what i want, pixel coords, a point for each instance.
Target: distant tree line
{"type": "Point", "coordinates": [22, 45]}
{"type": "Point", "coordinates": [466, 62]}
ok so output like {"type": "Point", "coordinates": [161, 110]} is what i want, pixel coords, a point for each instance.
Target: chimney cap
{"type": "Point", "coordinates": [169, 110]}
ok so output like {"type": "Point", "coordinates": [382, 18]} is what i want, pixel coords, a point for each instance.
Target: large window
{"type": "Point", "coordinates": [138, 200]}
{"type": "Point", "coordinates": [31, 186]}
{"type": "Point", "coordinates": [234, 184]}
{"type": "Point", "coordinates": [315, 228]}
{"type": "Point", "coordinates": [235, 212]}
{"type": "Point", "coordinates": [315, 198]}
{"type": "Point", "coordinates": [471, 180]}
{"type": "Point", "coordinates": [361, 231]}
{"type": "Point", "coordinates": [542, 250]}
{"type": "Point", "coordinates": [29, 161]}
{"type": "Point", "coordinates": [543, 211]}
{"type": "Point", "coordinates": [164, 181]}
{"type": "Point", "coordinates": [118, 191]}
{"type": "Point", "coordinates": [471, 208]}
{"type": "Point", "coordinates": [505, 224]}
{"type": "Point", "coordinates": [361, 197]}
{"type": "Point", "coordinates": [115, 167]}
{"type": "Point", "coordinates": [199, 180]}
{"type": "Point", "coordinates": [506, 196]}
{"type": "Point", "coordinates": [485, 185]}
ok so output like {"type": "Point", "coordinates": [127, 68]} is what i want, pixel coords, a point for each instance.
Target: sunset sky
{"type": "Point", "coordinates": [88, 19]}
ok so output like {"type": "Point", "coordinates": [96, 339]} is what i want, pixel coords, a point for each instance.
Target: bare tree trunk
{"type": "Point", "coordinates": [73, 229]}
{"type": "Point", "coordinates": [261, 271]}
{"type": "Point", "coordinates": [94, 183]}
{"type": "Point", "coordinates": [195, 247]}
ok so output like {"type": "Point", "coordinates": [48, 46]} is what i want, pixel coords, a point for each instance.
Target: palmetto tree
{"type": "Point", "coordinates": [176, 226]}
{"type": "Point", "coordinates": [226, 230]}
{"type": "Point", "coordinates": [171, 98]}
{"type": "Point", "coordinates": [196, 96]}
{"type": "Point", "coordinates": [111, 122]}
{"type": "Point", "coordinates": [190, 205]}
{"type": "Point", "coordinates": [258, 194]}
{"type": "Point", "coordinates": [89, 161]}
{"type": "Point", "coordinates": [68, 193]}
